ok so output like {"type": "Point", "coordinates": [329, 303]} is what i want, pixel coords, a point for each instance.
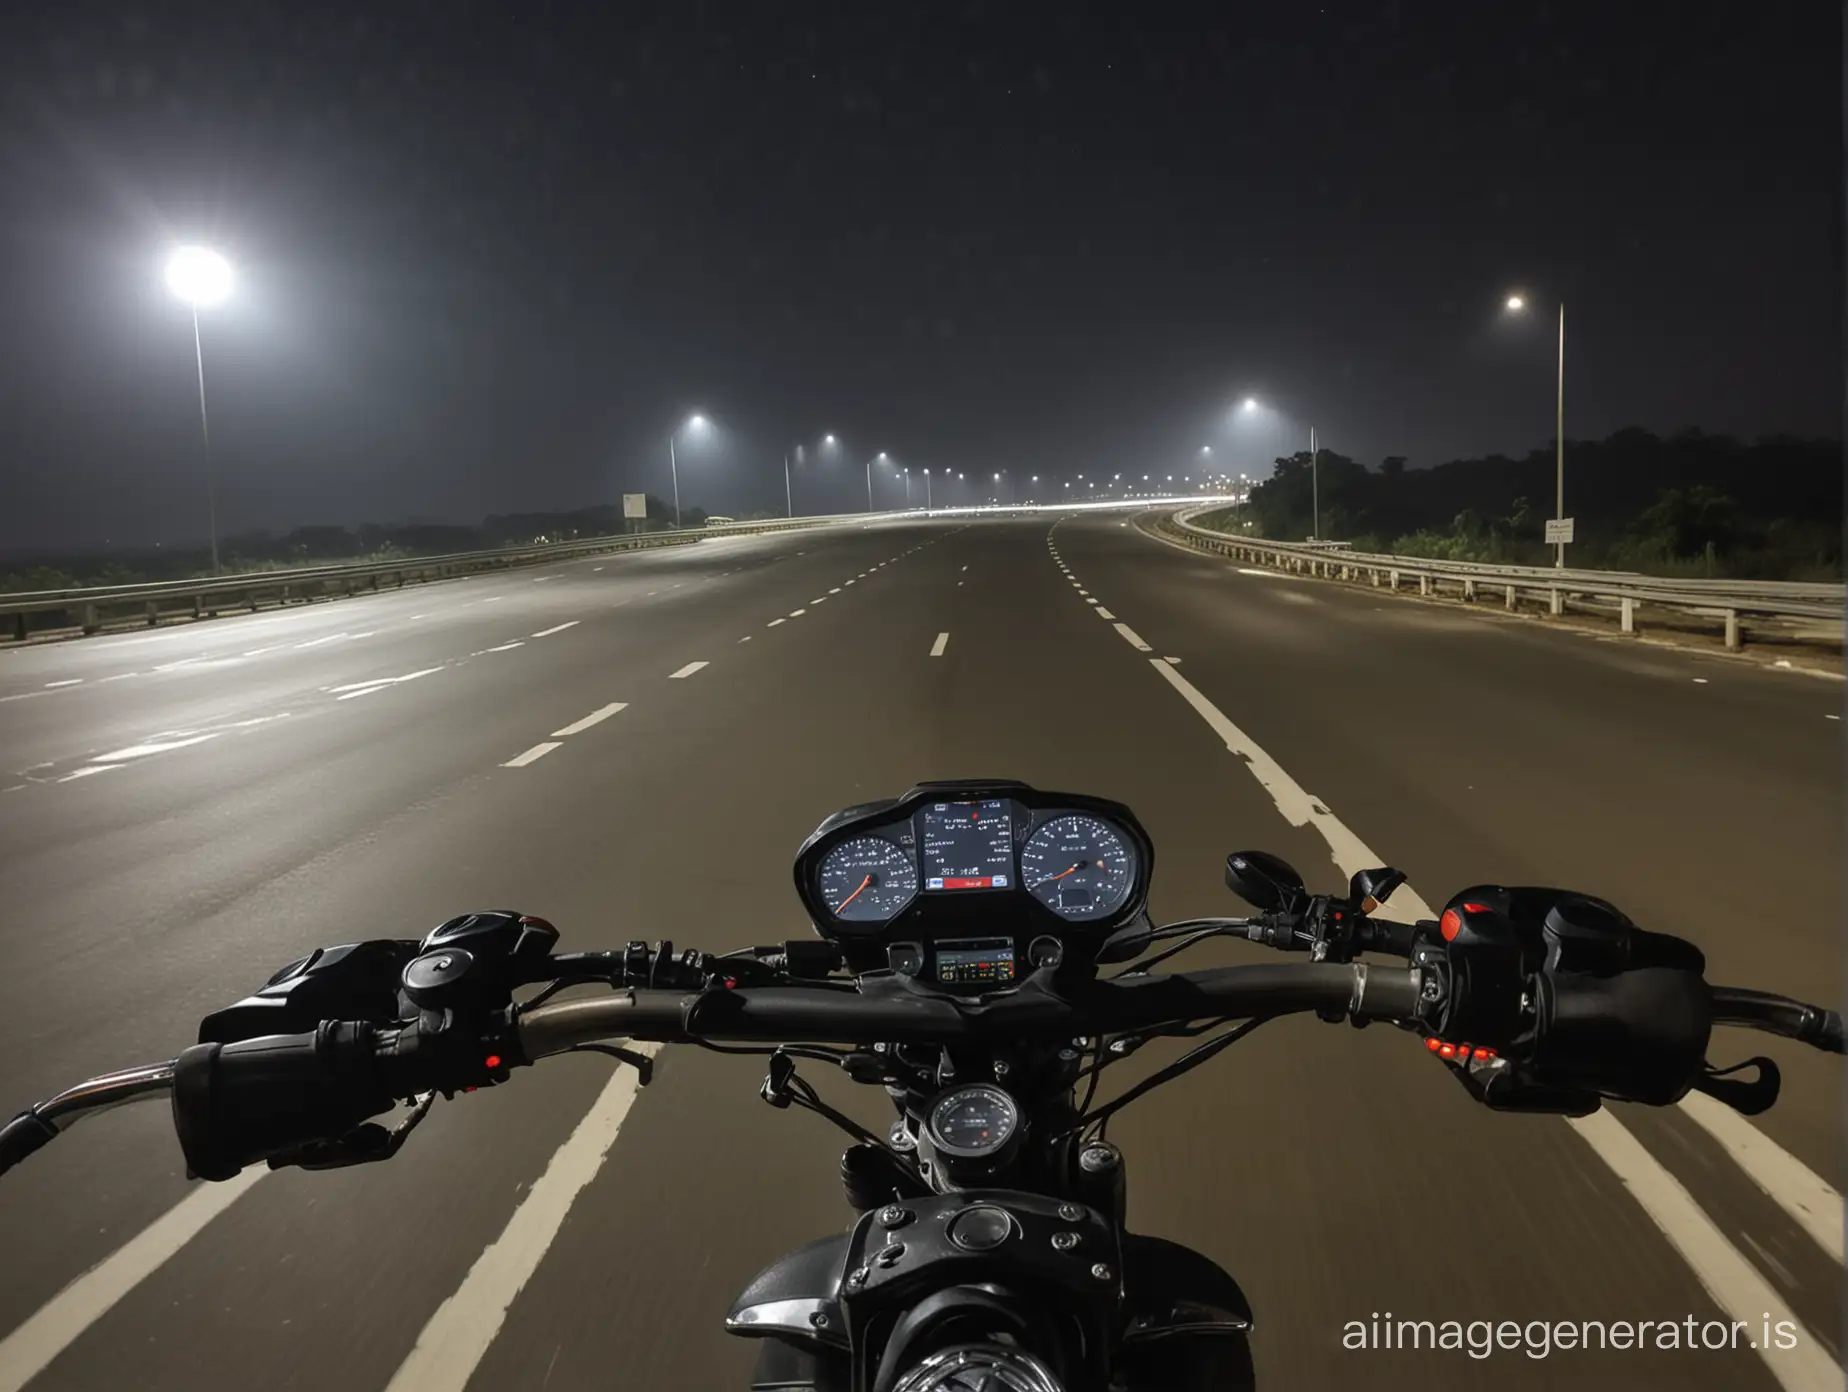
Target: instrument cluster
{"type": "Point", "coordinates": [959, 879]}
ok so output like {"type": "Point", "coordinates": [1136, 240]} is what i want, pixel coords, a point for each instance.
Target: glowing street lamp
{"type": "Point", "coordinates": [697, 424]}
{"type": "Point", "coordinates": [1517, 304]}
{"type": "Point", "coordinates": [200, 278]}
{"type": "Point", "coordinates": [879, 458]}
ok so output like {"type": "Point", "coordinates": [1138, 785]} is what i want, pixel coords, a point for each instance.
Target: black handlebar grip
{"type": "Point", "coordinates": [21, 1136]}
{"type": "Point", "coordinates": [1640, 1035]}
{"type": "Point", "coordinates": [235, 1104]}
{"type": "Point", "coordinates": [1383, 935]}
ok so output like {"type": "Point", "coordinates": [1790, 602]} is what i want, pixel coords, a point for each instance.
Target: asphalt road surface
{"type": "Point", "coordinates": [185, 810]}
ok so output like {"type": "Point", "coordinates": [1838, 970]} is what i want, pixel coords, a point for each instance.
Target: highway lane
{"type": "Point", "coordinates": [1312, 1161]}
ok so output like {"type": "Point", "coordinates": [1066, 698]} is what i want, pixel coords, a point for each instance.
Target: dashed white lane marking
{"type": "Point", "coordinates": [1084, 592]}
{"type": "Point", "coordinates": [774, 622]}
{"type": "Point", "coordinates": [1090, 601]}
{"type": "Point", "coordinates": [314, 642]}
{"type": "Point", "coordinates": [493, 599]}
{"type": "Point", "coordinates": [1131, 637]}
{"type": "Point", "coordinates": [1700, 681]}
{"type": "Point", "coordinates": [541, 579]}
{"type": "Point", "coordinates": [837, 588]}
{"type": "Point", "coordinates": [57, 1323]}
{"type": "Point", "coordinates": [595, 569]}
{"type": "Point", "coordinates": [258, 652]}
{"type": "Point", "coordinates": [596, 717]}
{"type": "Point", "coordinates": [156, 746]}
{"type": "Point", "coordinates": [849, 582]}
{"type": "Point", "coordinates": [366, 688]}
{"type": "Point", "coordinates": [822, 600]}
{"type": "Point", "coordinates": [936, 648]}
{"type": "Point", "coordinates": [507, 647]}
{"type": "Point", "coordinates": [965, 567]}
{"type": "Point", "coordinates": [87, 770]}
{"type": "Point", "coordinates": [747, 638]}
{"type": "Point", "coordinates": [557, 628]}
{"type": "Point", "coordinates": [1734, 1283]}
{"type": "Point", "coordinates": [797, 613]}
{"type": "Point", "coordinates": [1172, 661]}
{"type": "Point", "coordinates": [533, 755]}
{"type": "Point", "coordinates": [1811, 1201]}
{"type": "Point", "coordinates": [119, 676]}
{"type": "Point", "coordinates": [68, 681]}
{"type": "Point", "coordinates": [1104, 613]}
{"type": "Point", "coordinates": [465, 1325]}
{"type": "Point", "coordinates": [1728, 1277]}
{"type": "Point", "coordinates": [1826, 717]}
{"type": "Point", "coordinates": [687, 670]}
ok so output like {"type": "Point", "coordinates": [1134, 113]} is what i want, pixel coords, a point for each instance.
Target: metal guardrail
{"type": "Point", "coordinates": [91, 607]}
{"type": "Point", "coordinates": [1726, 600]}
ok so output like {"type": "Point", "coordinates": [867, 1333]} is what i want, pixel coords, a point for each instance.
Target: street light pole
{"type": "Point", "coordinates": [673, 466]}
{"type": "Point", "coordinates": [1315, 489]}
{"type": "Point", "coordinates": [928, 505]}
{"type": "Point", "coordinates": [789, 498]}
{"type": "Point", "coordinates": [205, 436]}
{"type": "Point", "coordinates": [1559, 438]}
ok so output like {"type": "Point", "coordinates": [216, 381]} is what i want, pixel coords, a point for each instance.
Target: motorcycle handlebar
{"type": "Point", "coordinates": [781, 1014]}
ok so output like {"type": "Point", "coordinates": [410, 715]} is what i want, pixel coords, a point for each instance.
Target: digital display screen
{"type": "Point", "coordinates": [969, 845]}
{"type": "Point", "coordinates": [975, 961]}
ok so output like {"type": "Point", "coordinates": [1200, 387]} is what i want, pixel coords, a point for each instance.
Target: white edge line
{"type": "Point", "coordinates": [56, 1324]}
{"type": "Point", "coordinates": [451, 1345]}
{"type": "Point", "coordinates": [533, 755]}
{"type": "Point", "coordinates": [1733, 1282]}
{"type": "Point", "coordinates": [1810, 1200]}
{"type": "Point", "coordinates": [596, 717]}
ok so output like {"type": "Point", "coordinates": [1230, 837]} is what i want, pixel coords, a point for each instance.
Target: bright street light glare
{"type": "Point", "coordinates": [827, 439]}
{"type": "Point", "coordinates": [696, 421]}
{"type": "Point", "coordinates": [1251, 403]}
{"type": "Point", "coordinates": [1516, 304]}
{"type": "Point", "coordinates": [199, 276]}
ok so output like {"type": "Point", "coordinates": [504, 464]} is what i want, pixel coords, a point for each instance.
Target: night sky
{"type": "Point", "coordinates": [489, 254]}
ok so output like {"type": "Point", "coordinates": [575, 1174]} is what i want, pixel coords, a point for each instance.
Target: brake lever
{"type": "Point", "coordinates": [363, 1145]}
{"type": "Point", "coordinates": [1746, 1098]}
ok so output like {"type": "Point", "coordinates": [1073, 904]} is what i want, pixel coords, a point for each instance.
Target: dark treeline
{"type": "Point", "coordinates": [1683, 504]}
{"type": "Point", "coordinates": [327, 545]}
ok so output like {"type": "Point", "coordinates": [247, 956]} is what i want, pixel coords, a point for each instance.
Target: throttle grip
{"type": "Point", "coordinates": [235, 1104]}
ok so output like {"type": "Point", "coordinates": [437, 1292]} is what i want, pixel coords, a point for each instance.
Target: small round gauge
{"type": "Point", "coordinates": [974, 1121]}
{"type": "Point", "coordinates": [867, 879]}
{"type": "Point", "coordinates": [1078, 866]}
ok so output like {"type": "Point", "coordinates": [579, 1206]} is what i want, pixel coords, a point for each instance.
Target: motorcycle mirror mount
{"type": "Point", "coordinates": [1267, 882]}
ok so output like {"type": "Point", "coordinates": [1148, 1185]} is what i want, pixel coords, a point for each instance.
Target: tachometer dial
{"type": "Point", "coordinates": [867, 879]}
{"type": "Point", "coordinates": [1077, 866]}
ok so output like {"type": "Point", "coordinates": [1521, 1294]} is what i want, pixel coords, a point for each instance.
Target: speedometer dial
{"type": "Point", "coordinates": [867, 879]}
{"type": "Point", "coordinates": [1077, 866]}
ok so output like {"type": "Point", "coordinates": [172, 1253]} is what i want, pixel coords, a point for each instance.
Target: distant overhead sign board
{"type": "Point", "coordinates": [1558, 529]}
{"type": "Point", "coordinates": [636, 505]}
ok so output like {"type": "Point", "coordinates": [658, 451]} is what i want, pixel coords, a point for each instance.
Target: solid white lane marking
{"type": "Point", "coordinates": [87, 770]}
{"type": "Point", "coordinates": [1131, 637]}
{"type": "Point", "coordinates": [507, 647]}
{"type": "Point", "coordinates": [936, 648]}
{"type": "Point", "coordinates": [465, 1325]}
{"type": "Point", "coordinates": [1811, 1201]}
{"type": "Point", "coordinates": [1104, 613]}
{"type": "Point", "coordinates": [596, 717]}
{"type": "Point", "coordinates": [557, 628]}
{"type": "Point", "coordinates": [533, 755]}
{"type": "Point", "coordinates": [1728, 1277]}
{"type": "Point", "coordinates": [1734, 1283]}
{"type": "Point", "coordinates": [687, 670]}
{"type": "Point", "coordinates": [774, 622]}
{"type": "Point", "coordinates": [68, 681]}
{"type": "Point", "coordinates": [55, 1325]}
{"type": "Point", "coordinates": [155, 746]}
